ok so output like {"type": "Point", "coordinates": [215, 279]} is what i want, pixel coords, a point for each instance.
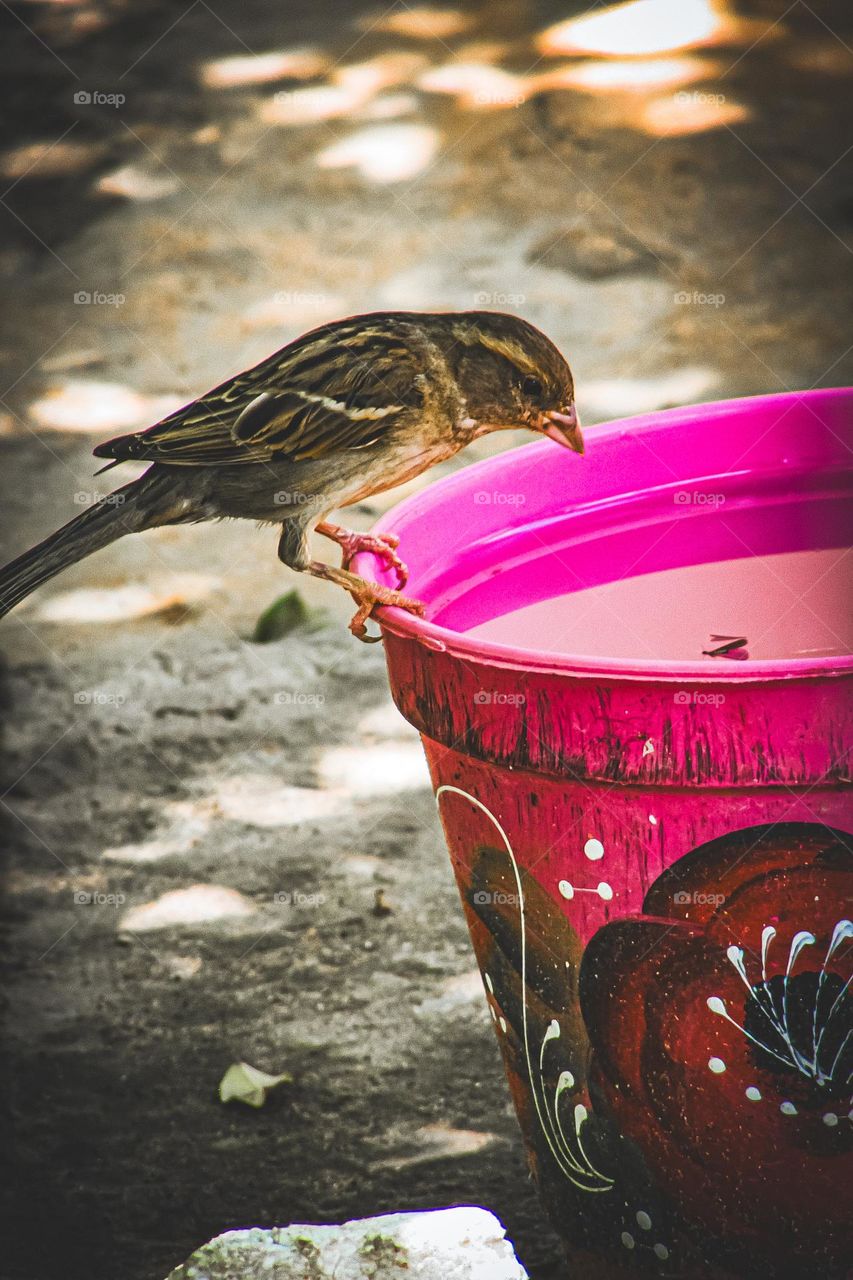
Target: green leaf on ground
{"type": "Point", "coordinates": [244, 1083]}
{"type": "Point", "coordinates": [283, 616]}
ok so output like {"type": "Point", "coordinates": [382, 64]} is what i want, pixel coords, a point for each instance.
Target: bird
{"type": "Point", "coordinates": [347, 410]}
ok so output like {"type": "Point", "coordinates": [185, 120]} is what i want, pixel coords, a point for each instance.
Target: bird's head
{"type": "Point", "coordinates": [511, 375]}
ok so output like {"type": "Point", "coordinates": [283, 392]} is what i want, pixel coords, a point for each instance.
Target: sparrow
{"type": "Point", "coordinates": [346, 411]}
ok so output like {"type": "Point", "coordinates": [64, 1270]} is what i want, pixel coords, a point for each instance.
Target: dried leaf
{"type": "Point", "coordinates": [245, 1083]}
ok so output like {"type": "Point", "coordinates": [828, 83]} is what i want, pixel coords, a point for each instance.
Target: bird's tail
{"type": "Point", "coordinates": [142, 504]}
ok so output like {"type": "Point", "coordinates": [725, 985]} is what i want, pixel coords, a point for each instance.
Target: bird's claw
{"type": "Point", "coordinates": [368, 600]}
{"type": "Point", "coordinates": [383, 545]}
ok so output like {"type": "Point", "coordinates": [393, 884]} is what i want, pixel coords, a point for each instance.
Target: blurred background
{"type": "Point", "coordinates": [197, 824]}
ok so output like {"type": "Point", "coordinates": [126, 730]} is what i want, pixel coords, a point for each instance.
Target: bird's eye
{"type": "Point", "coordinates": [532, 388]}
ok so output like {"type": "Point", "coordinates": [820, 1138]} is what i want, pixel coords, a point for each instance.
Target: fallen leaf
{"type": "Point", "coordinates": [283, 616]}
{"type": "Point", "coordinates": [244, 1083]}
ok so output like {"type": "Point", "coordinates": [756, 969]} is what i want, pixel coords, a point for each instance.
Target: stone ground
{"type": "Point", "coordinates": [151, 746]}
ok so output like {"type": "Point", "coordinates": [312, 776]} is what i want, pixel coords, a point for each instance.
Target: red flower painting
{"type": "Point", "coordinates": [683, 1079]}
{"type": "Point", "coordinates": [720, 1027]}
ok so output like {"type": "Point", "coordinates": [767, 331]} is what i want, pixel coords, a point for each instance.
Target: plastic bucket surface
{"type": "Point", "coordinates": [653, 845]}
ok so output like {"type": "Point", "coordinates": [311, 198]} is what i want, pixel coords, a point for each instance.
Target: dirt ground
{"type": "Point", "coordinates": [150, 745]}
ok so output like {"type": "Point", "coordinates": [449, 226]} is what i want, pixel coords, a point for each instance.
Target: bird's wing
{"type": "Point", "coordinates": [338, 388]}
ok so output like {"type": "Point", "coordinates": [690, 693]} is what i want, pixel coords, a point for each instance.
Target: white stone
{"type": "Point", "coordinates": [466, 1243]}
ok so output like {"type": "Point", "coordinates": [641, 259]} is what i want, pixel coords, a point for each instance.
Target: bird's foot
{"type": "Point", "coordinates": [383, 545]}
{"type": "Point", "coordinates": [367, 599]}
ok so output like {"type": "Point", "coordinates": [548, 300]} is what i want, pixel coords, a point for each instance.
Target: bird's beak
{"type": "Point", "coordinates": [565, 428]}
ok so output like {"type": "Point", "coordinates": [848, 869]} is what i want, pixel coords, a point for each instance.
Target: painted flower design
{"type": "Point", "coordinates": [721, 1027]}
{"type": "Point", "coordinates": [591, 1178]}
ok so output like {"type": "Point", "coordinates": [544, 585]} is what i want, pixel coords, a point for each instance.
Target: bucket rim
{"type": "Point", "coordinates": [398, 623]}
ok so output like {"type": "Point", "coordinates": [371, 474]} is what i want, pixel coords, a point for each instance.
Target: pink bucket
{"type": "Point", "coordinates": [653, 844]}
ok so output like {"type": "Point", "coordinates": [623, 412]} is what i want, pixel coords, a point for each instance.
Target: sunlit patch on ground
{"type": "Point", "coordinates": [48, 159]}
{"type": "Point", "coordinates": [313, 104]}
{"type": "Point", "coordinates": [475, 85]}
{"type": "Point", "coordinates": [385, 71]}
{"type": "Point", "coordinates": [441, 1142]}
{"type": "Point", "coordinates": [363, 865]}
{"type": "Point", "coordinates": [198, 904]}
{"type": "Point", "coordinates": [264, 68]}
{"type": "Point", "coordinates": [263, 801]}
{"type": "Point", "coordinates": [188, 822]}
{"type": "Point", "coordinates": [134, 183]}
{"type": "Point", "coordinates": [458, 992]}
{"type": "Point", "coordinates": [685, 113]}
{"type": "Point", "coordinates": [207, 135]}
{"type": "Point", "coordinates": [627, 76]}
{"type": "Point", "coordinates": [182, 967]}
{"type": "Point", "coordinates": [124, 604]}
{"type": "Point", "coordinates": [641, 27]}
{"type": "Point", "coordinates": [390, 106]}
{"type": "Point", "coordinates": [420, 22]}
{"type": "Point", "coordinates": [381, 769]}
{"type": "Point", "coordinates": [384, 153]}
{"type": "Point", "coordinates": [623, 397]}
{"type": "Point", "coordinates": [99, 407]}
{"type": "Point", "coordinates": [824, 57]}
{"type": "Point", "coordinates": [350, 90]}
{"type": "Point", "coordinates": [385, 721]}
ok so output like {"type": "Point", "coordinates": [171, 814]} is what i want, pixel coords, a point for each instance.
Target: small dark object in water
{"type": "Point", "coordinates": [731, 647]}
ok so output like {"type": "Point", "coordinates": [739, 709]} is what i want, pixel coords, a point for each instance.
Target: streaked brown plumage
{"type": "Point", "coordinates": [348, 410]}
